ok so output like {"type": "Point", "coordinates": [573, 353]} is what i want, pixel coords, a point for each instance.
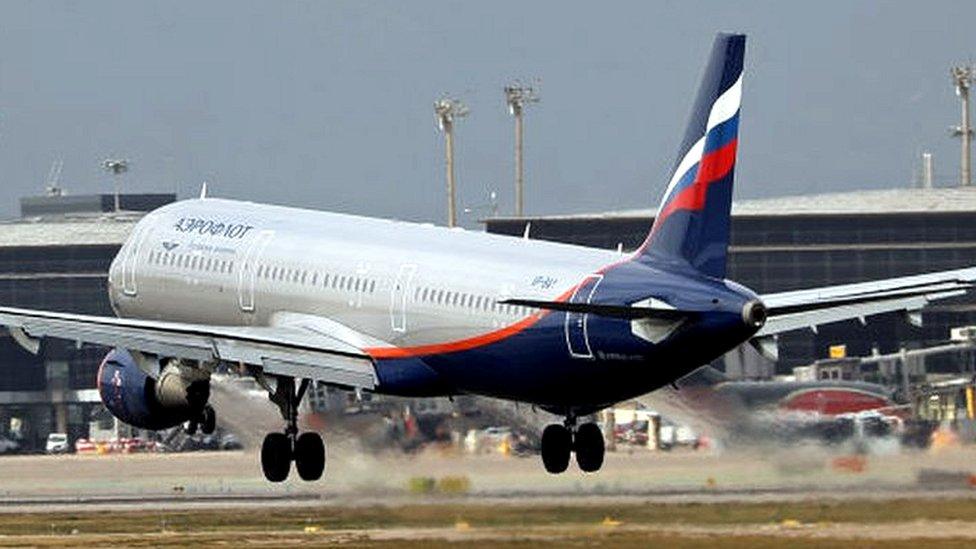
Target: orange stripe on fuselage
{"type": "Point", "coordinates": [467, 343]}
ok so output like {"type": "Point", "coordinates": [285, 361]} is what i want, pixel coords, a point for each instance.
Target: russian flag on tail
{"type": "Point", "coordinates": [692, 224]}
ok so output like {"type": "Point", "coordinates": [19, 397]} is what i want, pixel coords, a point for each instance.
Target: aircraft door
{"type": "Point", "coordinates": [129, 261]}
{"type": "Point", "coordinates": [399, 294]}
{"type": "Point", "coordinates": [247, 275]}
{"type": "Point", "coordinates": [577, 336]}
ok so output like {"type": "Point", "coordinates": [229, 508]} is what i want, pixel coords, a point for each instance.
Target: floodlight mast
{"type": "Point", "coordinates": [116, 167]}
{"type": "Point", "coordinates": [447, 110]}
{"type": "Point", "coordinates": [518, 96]}
{"type": "Point", "coordinates": [962, 78]}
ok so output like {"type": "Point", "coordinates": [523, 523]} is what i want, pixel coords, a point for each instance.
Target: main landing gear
{"type": "Point", "coordinates": [281, 449]}
{"type": "Point", "coordinates": [559, 441]}
{"type": "Point", "coordinates": [206, 422]}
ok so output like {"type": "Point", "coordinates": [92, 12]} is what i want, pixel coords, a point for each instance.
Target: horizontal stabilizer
{"type": "Point", "coordinates": [809, 308]}
{"type": "Point", "coordinates": [867, 298]}
{"type": "Point", "coordinates": [615, 311]}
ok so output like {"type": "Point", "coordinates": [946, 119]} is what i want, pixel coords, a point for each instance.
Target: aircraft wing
{"type": "Point", "coordinates": [300, 348]}
{"type": "Point", "coordinates": [809, 308]}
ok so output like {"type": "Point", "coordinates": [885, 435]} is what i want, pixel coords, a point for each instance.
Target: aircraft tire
{"type": "Point", "coordinates": [310, 456]}
{"type": "Point", "coordinates": [276, 457]}
{"type": "Point", "coordinates": [589, 447]}
{"type": "Point", "coordinates": [208, 420]}
{"type": "Point", "coordinates": [557, 444]}
{"type": "Point", "coordinates": [191, 427]}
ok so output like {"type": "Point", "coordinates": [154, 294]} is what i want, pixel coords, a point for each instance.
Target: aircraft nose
{"type": "Point", "coordinates": [754, 313]}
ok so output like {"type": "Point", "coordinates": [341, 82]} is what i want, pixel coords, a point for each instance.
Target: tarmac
{"type": "Point", "coordinates": [447, 497]}
{"type": "Point", "coordinates": [355, 477]}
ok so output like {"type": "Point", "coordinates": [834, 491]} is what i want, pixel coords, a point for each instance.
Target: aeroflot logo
{"type": "Point", "coordinates": [212, 227]}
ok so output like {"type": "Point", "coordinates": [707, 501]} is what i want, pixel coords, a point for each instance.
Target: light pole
{"type": "Point", "coordinates": [447, 110]}
{"type": "Point", "coordinates": [518, 96]}
{"type": "Point", "coordinates": [116, 167]}
{"type": "Point", "coordinates": [962, 78]}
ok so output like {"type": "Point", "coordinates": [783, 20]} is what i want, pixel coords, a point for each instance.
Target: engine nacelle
{"type": "Point", "coordinates": [136, 398]}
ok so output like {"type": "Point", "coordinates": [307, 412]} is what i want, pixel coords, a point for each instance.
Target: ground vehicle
{"type": "Point", "coordinates": [8, 446]}
{"type": "Point", "coordinates": [57, 443]}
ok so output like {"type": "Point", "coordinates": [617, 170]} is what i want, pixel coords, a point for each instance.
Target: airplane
{"type": "Point", "coordinates": [297, 296]}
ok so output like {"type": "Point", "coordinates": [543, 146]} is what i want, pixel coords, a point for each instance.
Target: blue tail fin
{"type": "Point", "coordinates": [692, 223]}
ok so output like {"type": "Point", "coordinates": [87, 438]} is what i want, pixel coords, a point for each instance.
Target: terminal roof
{"type": "Point", "coordinates": [883, 201]}
{"type": "Point", "coordinates": [68, 230]}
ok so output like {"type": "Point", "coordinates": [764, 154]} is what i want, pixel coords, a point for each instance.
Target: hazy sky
{"type": "Point", "coordinates": [329, 104]}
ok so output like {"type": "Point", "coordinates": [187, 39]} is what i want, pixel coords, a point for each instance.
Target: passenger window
{"type": "Point", "coordinates": [372, 285]}
{"type": "Point", "coordinates": [315, 277]}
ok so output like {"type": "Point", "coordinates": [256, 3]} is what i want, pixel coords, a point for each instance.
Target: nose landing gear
{"type": "Point", "coordinates": [559, 441]}
{"type": "Point", "coordinates": [280, 449]}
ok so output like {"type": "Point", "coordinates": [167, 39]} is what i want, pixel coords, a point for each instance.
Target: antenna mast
{"type": "Point", "coordinates": [116, 167]}
{"type": "Point", "coordinates": [962, 78]}
{"type": "Point", "coordinates": [447, 110]}
{"type": "Point", "coordinates": [518, 96]}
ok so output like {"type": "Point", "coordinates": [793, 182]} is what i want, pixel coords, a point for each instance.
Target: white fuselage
{"type": "Point", "coordinates": [224, 262]}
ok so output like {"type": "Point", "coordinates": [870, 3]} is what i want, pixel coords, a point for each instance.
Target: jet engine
{"type": "Point", "coordinates": [177, 395]}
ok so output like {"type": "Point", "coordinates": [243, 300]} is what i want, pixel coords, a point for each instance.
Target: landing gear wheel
{"type": "Point", "coordinates": [310, 456]}
{"type": "Point", "coordinates": [557, 442]}
{"type": "Point", "coordinates": [208, 420]}
{"type": "Point", "coordinates": [276, 456]}
{"type": "Point", "coordinates": [589, 447]}
{"type": "Point", "coordinates": [191, 427]}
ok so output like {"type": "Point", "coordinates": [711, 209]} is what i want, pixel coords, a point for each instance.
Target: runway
{"type": "Point", "coordinates": [684, 497]}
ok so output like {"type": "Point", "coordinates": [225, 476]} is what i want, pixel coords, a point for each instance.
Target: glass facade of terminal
{"type": "Point", "coordinates": [61, 278]}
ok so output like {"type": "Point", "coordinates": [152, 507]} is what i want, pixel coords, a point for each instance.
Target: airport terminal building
{"type": "Point", "coordinates": [816, 240]}
{"type": "Point", "coordinates": [56, 256]}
